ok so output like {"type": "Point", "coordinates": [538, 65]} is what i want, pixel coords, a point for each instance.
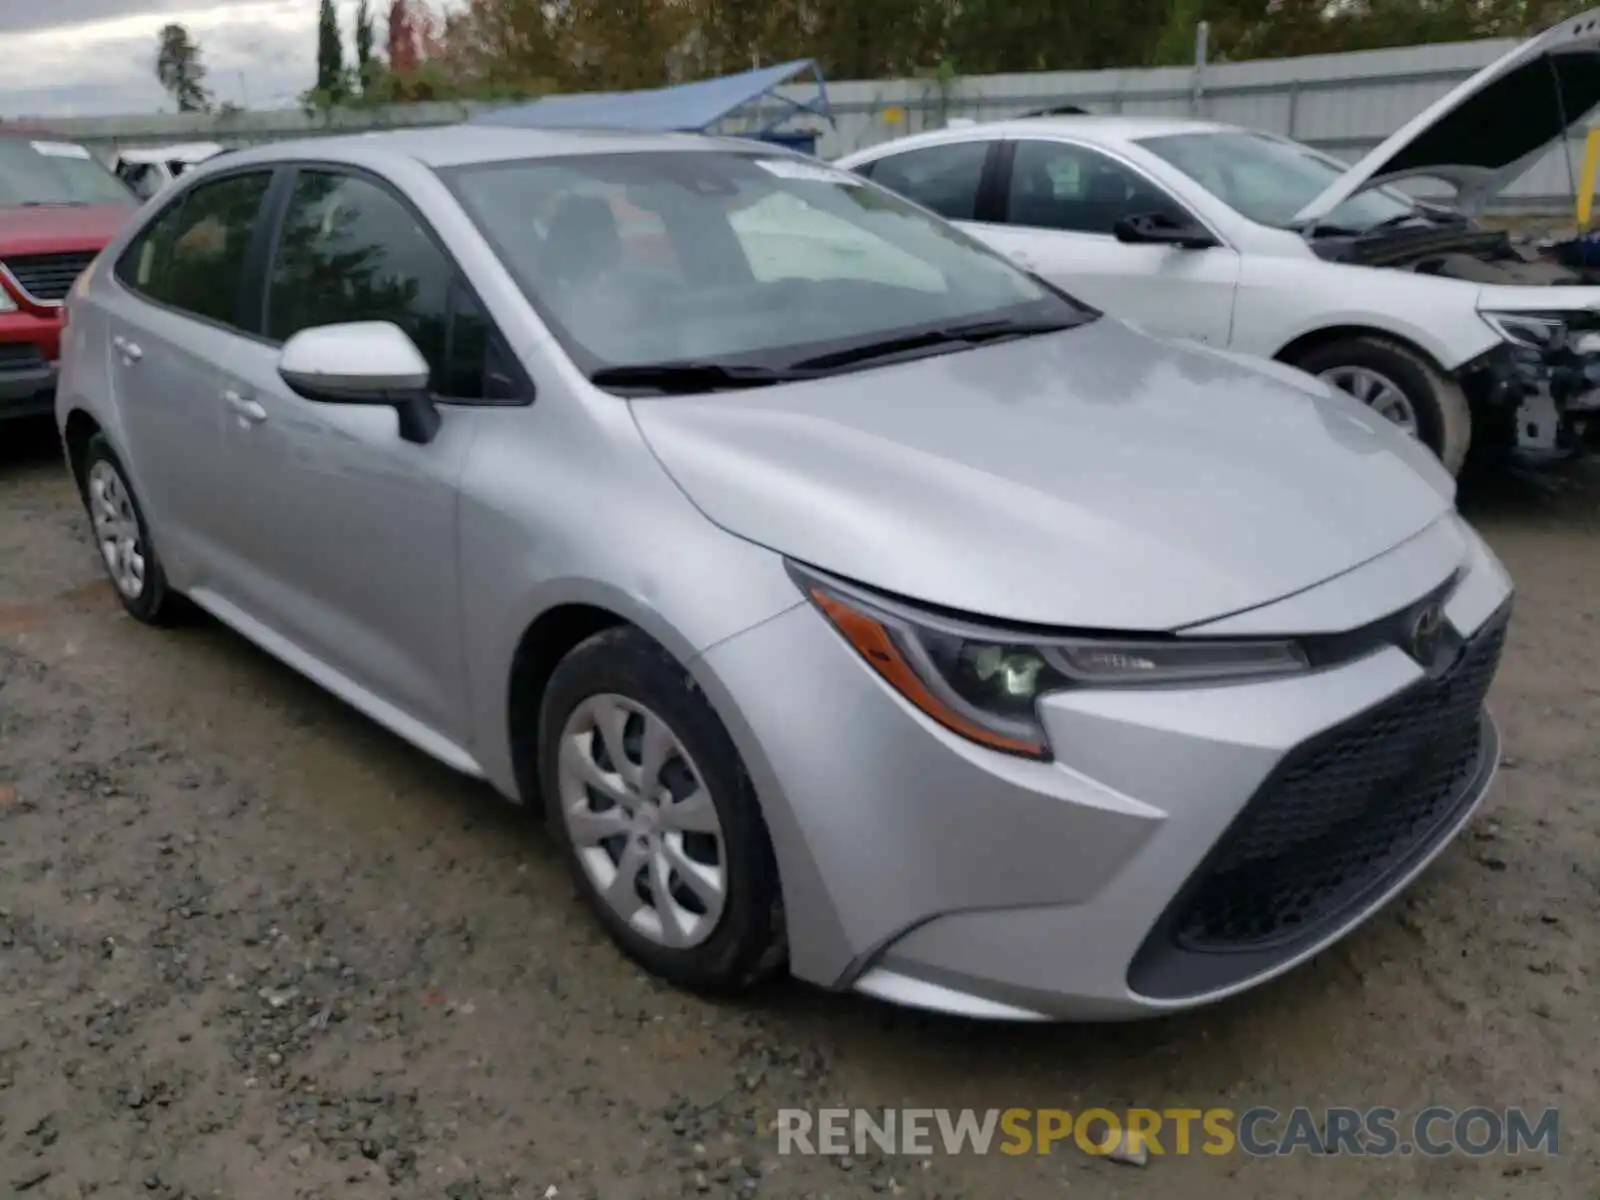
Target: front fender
{"type": "Point", "coordinates": [1281, 300]}
{"type": "Point", "coordinates": [549, 522]}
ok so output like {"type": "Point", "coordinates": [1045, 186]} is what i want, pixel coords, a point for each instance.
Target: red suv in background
{"type": "Point", "coordinates": [58, 209]}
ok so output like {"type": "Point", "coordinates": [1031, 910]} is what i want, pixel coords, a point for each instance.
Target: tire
{"type": "Point", "coordinates": [1443, 417]}
{"type": "Point", "coordinates": [114, 511]}
{"type": "Point", "coordinates": [623, 679]}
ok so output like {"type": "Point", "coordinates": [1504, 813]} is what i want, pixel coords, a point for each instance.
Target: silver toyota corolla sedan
{"type": "Point", "coordinates": [848, 599]}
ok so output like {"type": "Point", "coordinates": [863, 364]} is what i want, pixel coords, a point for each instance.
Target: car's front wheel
{"type": "Point", "coordinates": [1399, 384]}
{"type": "Point", "coordinates": [122, 538]}
{"type": "Point", "coordinates": [657, 816]}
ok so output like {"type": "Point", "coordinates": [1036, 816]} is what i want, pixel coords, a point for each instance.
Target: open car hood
{"type": "Point", "coordinates": [1491, 128]}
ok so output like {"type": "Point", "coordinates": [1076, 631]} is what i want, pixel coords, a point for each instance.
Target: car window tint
{"type": "Point", "coordinates": [351, 251]}
{"type": "Point", "coordinates": [467, 349]}
{"type": "Point", "coordinates": [943, 178]}
{"type": "Point", "coordinates": [1060, 186]}
{"type": "Point", "coordinates": [192, 256]}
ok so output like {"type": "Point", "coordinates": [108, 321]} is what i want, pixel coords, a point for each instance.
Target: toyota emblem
{"type": "Point", "coordinates": [1427, 632]}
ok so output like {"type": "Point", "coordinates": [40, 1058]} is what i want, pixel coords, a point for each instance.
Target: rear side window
{"type": "Point", "coordinates": [945, 179]}
{"type": "Point", "coordinates": [192, 257]}
{"type": "Point", "coordinates": [351, 250]}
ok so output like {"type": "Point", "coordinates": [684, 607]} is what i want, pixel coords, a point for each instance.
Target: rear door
{"type": "Point", "coordinates": [952, 179]}
{"type": "Point", "coordinates": [172, 319]}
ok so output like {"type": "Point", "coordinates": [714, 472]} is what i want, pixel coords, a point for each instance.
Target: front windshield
{"type": "Point", "coordinates": [721, 256]}
{"type": "Point", "coordinates": [1269, 179]}
{"type": "Point", "coordinates": [43, 172]}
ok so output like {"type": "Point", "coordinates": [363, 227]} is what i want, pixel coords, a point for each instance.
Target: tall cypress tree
{"type": "Point", "coordinates": [330, 54]}
{"type": "Point", "coordinates": [366, 66]}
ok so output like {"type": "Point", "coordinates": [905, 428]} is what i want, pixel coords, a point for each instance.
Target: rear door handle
{"type": "Point", "coordinates": [129, 351]}
{"type": "Point", "coordinates": [246, 410]}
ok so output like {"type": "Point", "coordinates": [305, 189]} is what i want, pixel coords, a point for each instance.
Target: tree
{"type": "Point", "coordinates": [402, 39]}
{"type": "Point", "coordinates": [366, 65]}
{"type": "Point", "coordinates": [180, 70]}
{"type": "Point", "coordinates": [331, 82]}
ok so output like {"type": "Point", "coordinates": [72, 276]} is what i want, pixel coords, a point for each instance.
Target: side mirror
{"type": "Point", "coordinates": [363, 362]}
{"type": "Point", "coordinates": [1158, 229]}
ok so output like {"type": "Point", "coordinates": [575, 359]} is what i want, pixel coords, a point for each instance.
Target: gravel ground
{"type": "Point", "coordinates": [253, 946]}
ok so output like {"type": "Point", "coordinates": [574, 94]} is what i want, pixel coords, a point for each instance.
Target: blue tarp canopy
{"type": "Point", "coordinates": [686, 108]}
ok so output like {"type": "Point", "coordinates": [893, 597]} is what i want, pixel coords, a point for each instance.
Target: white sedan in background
{"type": "Point", "coordinates": [149, 170]}
{"type": "Point", "coordinates": [1252, 242]}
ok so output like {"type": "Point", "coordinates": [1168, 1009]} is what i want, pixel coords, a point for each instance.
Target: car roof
{"type": "Point", "coordinates": [181, 152]}
{"type": "Point", "coordinates": [464, 145]}
{"type": "Point", "coordinates": [1110, 129]}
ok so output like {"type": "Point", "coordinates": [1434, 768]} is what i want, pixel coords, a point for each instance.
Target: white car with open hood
{"type": "Point", "coordinates": [1255, 243]}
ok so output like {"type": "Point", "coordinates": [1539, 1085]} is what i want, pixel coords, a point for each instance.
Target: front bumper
{"type": "Point", "coordinates": [29, 346]}
{"type": "Point", "coordinates": [1536, 407]}
{"type": "Point", "coordinates": [27, 391]}
{"type": "Point", "coordinates": [922, 869]}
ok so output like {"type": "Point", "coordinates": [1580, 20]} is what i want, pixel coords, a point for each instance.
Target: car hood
{"type": "Point", "coordinates": [1499, 297]}
{"type": "Point", "coordinates": [1096, 478]}
{"type": "Point", "coordinates": [1492, 128]}
{"type": "Point", "coordinates": [54, 228]}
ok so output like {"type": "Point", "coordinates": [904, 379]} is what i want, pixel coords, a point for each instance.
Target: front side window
{"type": "Point", "coordinates": [765, 258]}
{"type": "Point", "coordinates": [1055, 185]}
{"type": "Point", "coordinates": [945, 178]}
{"type": "Point", "coordinates": [351, 250]}
{"type": "Point", "coordinates": [1269, 180]}
{"type": "Point", "coordinates": [192, 256]}
{"type": "Point", "coordinates": [45, 173]}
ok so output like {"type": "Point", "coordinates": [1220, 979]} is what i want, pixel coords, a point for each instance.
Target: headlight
{"type": "Point", "coordinates": [1542, 331]}
{"type": "Point", "coordinates": [984, 683]}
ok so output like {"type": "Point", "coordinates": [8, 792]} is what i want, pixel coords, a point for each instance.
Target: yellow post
{"type": "Point", "coordinates": [1586, 180]}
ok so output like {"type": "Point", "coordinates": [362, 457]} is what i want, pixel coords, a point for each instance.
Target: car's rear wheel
{"type": "Point", "coordinates": [1399, 384]}
{"type": "Point", "coordinates": [657, 816]}
{"type": "Point", "coordinates": [122, 538]}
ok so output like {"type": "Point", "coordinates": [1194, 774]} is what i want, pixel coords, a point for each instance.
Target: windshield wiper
{"type": "Point", "coordinates": [688, 377]}
{"type": "Point", "coordinates": [971, 334]}
{"type": "Point", "coordinates": [54, 204]}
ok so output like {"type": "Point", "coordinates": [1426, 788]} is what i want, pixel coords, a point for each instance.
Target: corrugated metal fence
{"type": "Point", "coordinates": [1342, 103]}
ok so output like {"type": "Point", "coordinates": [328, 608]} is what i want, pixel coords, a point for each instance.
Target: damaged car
{"type": "Point", "coordinates": [1258, 244]}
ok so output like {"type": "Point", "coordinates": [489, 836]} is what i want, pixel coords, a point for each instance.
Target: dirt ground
{"type": "Point", "coordinates": [253, 946]}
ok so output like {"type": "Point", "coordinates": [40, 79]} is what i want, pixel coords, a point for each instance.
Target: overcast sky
{"type": "Point", "coordinates": [88, 57]}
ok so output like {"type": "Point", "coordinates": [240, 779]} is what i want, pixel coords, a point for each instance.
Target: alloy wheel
{"type": "Point", "coordinates": [642, 821]}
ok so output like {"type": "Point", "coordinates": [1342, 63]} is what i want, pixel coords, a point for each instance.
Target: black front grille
{"type": "Point", "coordinates": [1340, 820]}
{"type": "Point", "coordinates": [48, 277]}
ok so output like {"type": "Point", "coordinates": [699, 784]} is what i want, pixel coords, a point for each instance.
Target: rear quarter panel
{"type": "Point", "coordinates": [85, 381]}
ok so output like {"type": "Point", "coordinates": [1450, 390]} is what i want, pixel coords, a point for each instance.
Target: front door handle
{"type": "Point", "coordinates": [246, 410]}
{"type": "Point", "coordinates": [129, 351]}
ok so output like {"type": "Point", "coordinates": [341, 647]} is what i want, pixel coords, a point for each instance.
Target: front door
{"type": "Point", "coordinates": [1061, 202]}
{"type": "Point", "coordinates": [346, 533]}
